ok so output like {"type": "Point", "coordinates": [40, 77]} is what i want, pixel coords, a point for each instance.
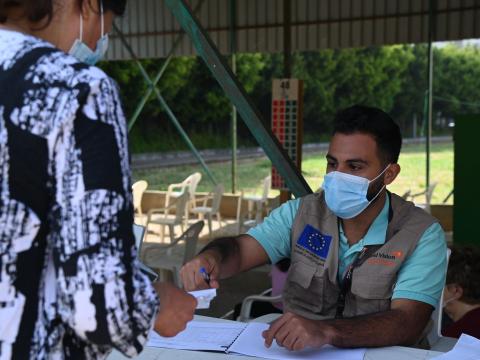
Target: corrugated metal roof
{"type": "Point", "coordinates": [316, 24]}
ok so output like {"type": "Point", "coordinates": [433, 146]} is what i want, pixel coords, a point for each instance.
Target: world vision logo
{"type": "Point", "coordinates": [385, 259]}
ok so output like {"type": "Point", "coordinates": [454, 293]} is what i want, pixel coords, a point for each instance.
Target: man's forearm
{"type": "Point", "coordinates": [392, 327]}
{"type": "Point", "coordinates": [227, 251]}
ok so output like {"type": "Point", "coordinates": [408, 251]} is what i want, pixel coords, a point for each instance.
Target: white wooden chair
{"type": "Point", "coordinates": [214, 198]}
{"type": "Point", "coordinates": [171, 257]}
{"type": "Point", "coordinates": [162, 216]}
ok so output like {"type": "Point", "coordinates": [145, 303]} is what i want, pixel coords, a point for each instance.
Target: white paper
{"type": "Point", "coordinates": [245, 339]}
{"type": "Point", "coordinates": [466, 348]}
{"type": "Point", "coordinates": [204, 297]}
{"type": "Point", "coordinates": [200, 335]}
{"type": "Point", "coordinates": [251, 343]}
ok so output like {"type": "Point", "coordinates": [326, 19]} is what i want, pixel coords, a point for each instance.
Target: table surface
{"type": "Point", "coordinates": [390, 353]}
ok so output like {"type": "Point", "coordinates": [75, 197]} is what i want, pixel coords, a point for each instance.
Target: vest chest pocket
{"type": "Point", "coordinates": [373, 286]}
{"type": "Point", "coordinates": [369, 294]}
{"type": "Point", "coordinates": [304, 287]}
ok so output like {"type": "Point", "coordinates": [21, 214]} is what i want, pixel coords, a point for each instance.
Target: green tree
{"type": "Point", "coordinates": [456, 80]}
{"type": "Point", "coordinates": [393, 78]}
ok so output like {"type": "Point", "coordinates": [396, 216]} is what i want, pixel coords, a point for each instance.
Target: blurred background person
{"type": "Point", "coordinates": [461, 297]}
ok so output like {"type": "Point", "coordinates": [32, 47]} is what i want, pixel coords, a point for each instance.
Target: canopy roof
{"type": "Point", "coordinates": [316, 24]}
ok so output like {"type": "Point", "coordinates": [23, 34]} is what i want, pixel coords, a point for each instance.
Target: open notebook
{"type": "Point", "coordinates": [245, 339]}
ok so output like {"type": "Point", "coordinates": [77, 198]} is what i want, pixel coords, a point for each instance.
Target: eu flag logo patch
{"type": "Point", "coordinates": [315, 242]}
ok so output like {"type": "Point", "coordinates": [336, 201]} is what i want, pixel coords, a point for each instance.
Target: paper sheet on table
{"type": "Point", "coordinates": [251, 343]}
{"type": "Point", "coordinates": [204, 297]}
{"type": "Point", "coordinates": [200, 335]}
{"type": "Point", "coordinates": [466, 348]}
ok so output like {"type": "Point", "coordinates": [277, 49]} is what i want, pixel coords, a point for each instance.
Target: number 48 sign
{"type": "Point", "coordinates": [287, 122]}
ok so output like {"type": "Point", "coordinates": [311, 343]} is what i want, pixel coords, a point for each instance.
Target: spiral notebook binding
{"type": "Point", "coordinates": [227, 348]}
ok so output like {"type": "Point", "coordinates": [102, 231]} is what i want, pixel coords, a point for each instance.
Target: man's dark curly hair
{"type": "Point", "coordinates": [464, 270]}
{"type": "Point", "coordinates": [374, 122]}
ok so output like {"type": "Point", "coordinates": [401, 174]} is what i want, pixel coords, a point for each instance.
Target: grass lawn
{"type": "Point", "coordinates": [250, 172]}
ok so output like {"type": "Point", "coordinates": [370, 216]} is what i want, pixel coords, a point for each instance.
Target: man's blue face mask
{"type": "Point", "coordinates": [346, 195]}
{"type": "Point", "coordinates": [82, 52]}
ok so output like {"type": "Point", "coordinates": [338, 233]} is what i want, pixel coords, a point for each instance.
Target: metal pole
{"type": "Point", "coordinates": [149, 91]}
{"type": "Point", "coordinates": [428, 133]}
{"type": "Point", "coordinates": [287, 39]}
{"type": "Point", "coordinates": [238, 96]}
{"type": "Point", "coordinates": [286, 195]}
{"type": "Point", "coordinates": [164, 104]}
{"type": "Point", "coordinates": [233, 49]}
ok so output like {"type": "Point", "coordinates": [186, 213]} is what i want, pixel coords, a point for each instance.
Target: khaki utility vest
{"type": "Point", "coordinates": [312, 287]}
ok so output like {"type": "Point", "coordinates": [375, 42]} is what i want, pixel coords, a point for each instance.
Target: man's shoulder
{"type": "Point", "coordinates": [315, 198]}
{"type": "Point", "coordinates": [288, 208]}
{"type": "Point", "coordinates": [314, 204]}
{"type": "Point", "coordinates": [411, 214]}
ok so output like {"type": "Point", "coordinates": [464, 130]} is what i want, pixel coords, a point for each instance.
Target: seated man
{"type": "Point", "coordinates": [367, 268]}
{"type": "Point", "coordinates": [461, 297]}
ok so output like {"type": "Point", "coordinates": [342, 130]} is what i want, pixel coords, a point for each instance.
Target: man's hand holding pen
{"type": "Point", "coordinates": [201, 272]}
{"type": "Point", "coordinates": [206, 275]}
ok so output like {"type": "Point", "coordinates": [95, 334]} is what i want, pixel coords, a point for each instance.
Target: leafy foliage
{"type": "Point", "coordinates": [393, 78]}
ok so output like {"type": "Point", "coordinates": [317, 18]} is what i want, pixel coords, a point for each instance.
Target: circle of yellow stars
{"type": "Point", "coordinates": [314, 239]}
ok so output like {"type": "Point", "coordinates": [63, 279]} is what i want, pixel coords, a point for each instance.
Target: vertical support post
{"type": "Point", "coordinates": [238, 96]}
{"type": "Point", "coordinates": [233, 50]}
{"type": "Point", "coordinates": [414, 126]}
{"type": "Point", "coordinates": [287, 39]}
{"type": "Point", "coordinates": [286, 195]}
{"type": "Point", "coordinates": [428, 132]}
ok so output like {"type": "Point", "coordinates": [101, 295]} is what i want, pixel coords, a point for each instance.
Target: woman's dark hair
{"type": "Point", "coordinates": [464, 270]}
{"type": "Point", "coordinates": [374, 122]}
{"type": "Point", "coordinates": [38, 10]}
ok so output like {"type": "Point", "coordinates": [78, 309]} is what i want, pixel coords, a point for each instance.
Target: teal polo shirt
{"type": "Point", "coordinates": [421, 277]}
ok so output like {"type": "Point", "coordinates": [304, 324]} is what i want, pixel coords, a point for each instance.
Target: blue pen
{"type": "Point", "coordinates": [205, 275]}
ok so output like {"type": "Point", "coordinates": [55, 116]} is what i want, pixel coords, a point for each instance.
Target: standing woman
{"type": "Point", "coordinates": [70, 285]}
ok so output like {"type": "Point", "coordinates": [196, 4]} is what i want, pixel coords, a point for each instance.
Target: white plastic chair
{"type": "Point", "coordinates": [428, 196]}
{"type": "Point", "coordinates": [257, 203]}
{"type": "Point", "coordinates": [272, 295]}
{"type": "Point", "coordinates": [242, 220]}
{"type": "Point", "coordinates": [138, 188]}
{"type": "Point", "coordinates": [435, 337]}
{"type": "Point", "coordinates": [175, 190]}
{"type": "Point", "coordinates": [162, 216]}
{"type": "Point", "coordinates": [139, 234]}
{"type": "Point", "coordinates": [215, 198]}
{"type": "Point", "coordinates": [247, 303]}
{"type": "Point", "coordinates": [171, 257]}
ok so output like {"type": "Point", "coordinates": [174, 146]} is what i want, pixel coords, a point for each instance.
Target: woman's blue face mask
{"type": "Point", "coordinates": [82, 52]}
{"type": "Point", "coordinates": [346, 195]}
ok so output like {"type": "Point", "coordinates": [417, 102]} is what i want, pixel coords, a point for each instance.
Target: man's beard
{"type": "Point", "coordinates": [375, 188]}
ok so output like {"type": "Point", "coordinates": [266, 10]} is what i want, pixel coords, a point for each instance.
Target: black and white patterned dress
{"type": "Point", "coordinates": [70, 286]}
